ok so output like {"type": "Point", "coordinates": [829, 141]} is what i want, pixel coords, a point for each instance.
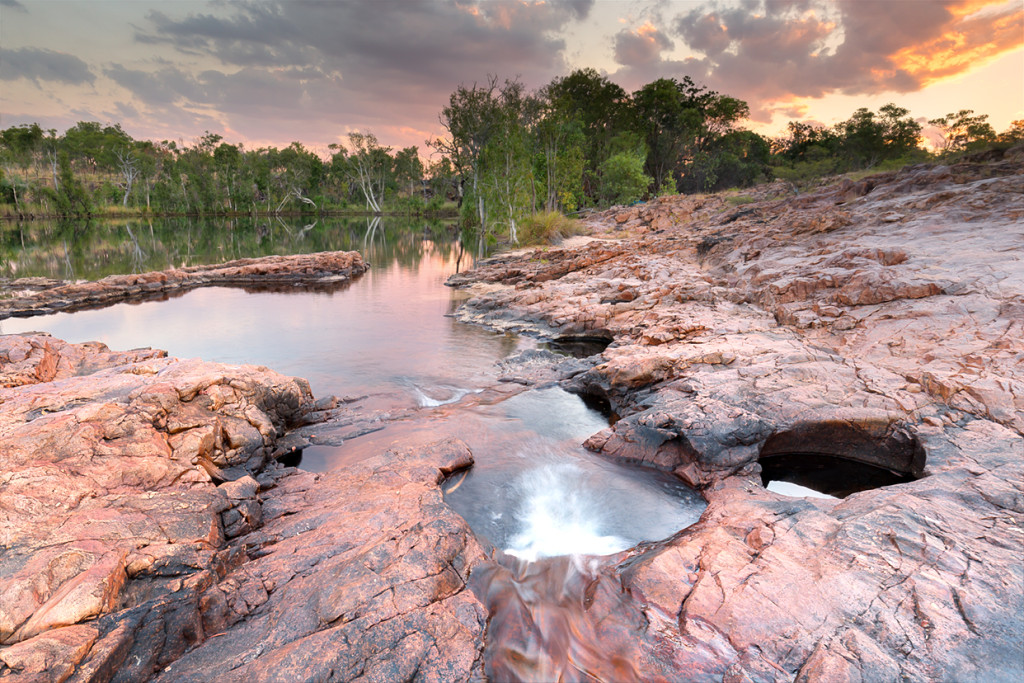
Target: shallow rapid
{"type": "Point", "coordinates": [547, 508]}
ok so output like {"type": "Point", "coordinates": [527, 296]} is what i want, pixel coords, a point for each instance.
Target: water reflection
{"type": "Point", "coordinates": [90, 250]}
{"type": "Point", "coordinates": [389, 327]}
{"type": "Point", "coordinates": [386, 336]}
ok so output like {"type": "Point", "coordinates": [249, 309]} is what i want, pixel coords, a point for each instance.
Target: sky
{"type": "Point", "coordinates": [272, 72]}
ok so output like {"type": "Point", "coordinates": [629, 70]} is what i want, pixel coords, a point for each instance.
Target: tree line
{"type": "Point", "coordinates": [506, 154]}
{"type": "Point", "coordinates": [93, 169]}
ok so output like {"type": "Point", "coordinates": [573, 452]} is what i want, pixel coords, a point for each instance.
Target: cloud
{"type": "Point", "coordinates": [350, 65]}
{"type": "Point", "coordinates": [640, 47]}
{"type": "Point", "coordinates": [769, 52]}
{"type": "Point", "coordinates": [14, 5]}
{"type": "Point", "coordinates": [37, 65]}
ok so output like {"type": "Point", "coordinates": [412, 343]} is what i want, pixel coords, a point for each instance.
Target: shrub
{"type": "Point", "coordinates": [623, 180]}
{"type": "Point", "coordinates": [548, 227]}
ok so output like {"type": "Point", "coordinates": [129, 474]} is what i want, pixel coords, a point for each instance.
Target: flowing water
{"type": "Point", "coordinates": [387, 340]}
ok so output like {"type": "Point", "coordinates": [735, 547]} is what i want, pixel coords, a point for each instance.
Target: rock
{"type": "Point", "coordinates": [358, 570]}
{"type": "Point", "coordinates": [874, 332]}
{"type": "Point", "coordinates": [123, 560]}
{"type": "Point", "coordinates": [327, 269]}
{"type": "Point", "coordinates": [147, 533]}
{"type": "Point", "coordinates": [106, 501]}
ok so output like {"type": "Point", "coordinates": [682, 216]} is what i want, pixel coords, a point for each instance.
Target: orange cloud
{"type": "Point", "coordinates": [642, 46]}
{"type": "Point", "coordinates": [978, 32]}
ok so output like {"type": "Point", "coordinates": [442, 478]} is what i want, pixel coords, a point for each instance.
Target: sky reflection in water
{"type": "Point", "coordinates": [387, 336]}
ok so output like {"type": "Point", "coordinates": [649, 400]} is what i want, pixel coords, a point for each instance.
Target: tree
{"type": "Point", "coordinates": [409, 168]}
{"type": "Point", "coordinates": [622, 178]}
{"type": "Point", "coordinates": [128, 165]}
{"type": "Point", "coordinates": [681, 122]}
{"type": "Point", "coordinates": [600, 106]}
{"type": "Point", "coordinates": [298, 174]}
{"type": "Point", "coordinates": [900, 132]}
{"type": "Point", "coordinates": [802, 138]}
{"type": "Point", "coordinates": [561, 160]}
{"type": "Point", "coordinates": [470, 119]}
{"type": "Point", "coordinates": [1013, 134]}
{"type": "Point", "coordinates": [506, 168]}
{"type": "Point", "coordinates": [371, 167]}
{"type": "Point", "coordinates": [739, 158]}
{"type": "Point", "coordinates": [442, 179]}
{"type": "Point", "coordinates": [19, 144]}
{"type": "Point", "coordinates": [963, 131]}
{"type": "Point", "coordinates": [862, 139]}
{"type": "Point", "coordinates": [72, 199]}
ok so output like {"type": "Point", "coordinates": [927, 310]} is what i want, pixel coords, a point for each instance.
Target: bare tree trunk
{"type": "Point", "coordinates": [53, 170]}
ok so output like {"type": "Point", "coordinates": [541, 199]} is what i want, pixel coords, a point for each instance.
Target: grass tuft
{"type": "Point", "coordinates": [548, 227]}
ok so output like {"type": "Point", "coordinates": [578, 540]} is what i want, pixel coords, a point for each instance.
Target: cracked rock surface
{"type": "Point", "coordinates": [147, 533]}
{"type": "Point", "coordinates": [145, 530]}
{"type": "Point", "coordinates": [880, 321]}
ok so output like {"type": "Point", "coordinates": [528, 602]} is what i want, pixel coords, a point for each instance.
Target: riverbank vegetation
{"type": "Point", "coordinates": [506, 154]}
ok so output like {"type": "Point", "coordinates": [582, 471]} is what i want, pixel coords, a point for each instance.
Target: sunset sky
{"type": "Point", "coordinates": [268, 73]}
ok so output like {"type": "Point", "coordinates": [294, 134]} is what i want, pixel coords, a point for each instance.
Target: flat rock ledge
{"type": "Point", "coordinates": [881, 321]}
{"type": "Point", "coordinates": [38, 296]}
{"type": "Point", "coordinates": [147, 532]}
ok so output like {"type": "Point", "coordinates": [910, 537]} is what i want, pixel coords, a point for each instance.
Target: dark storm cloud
{"type": "Point", "coordinates": [354, 63]}
{"type": "Point", "coordinates": [14, 5]}
{"type": "Point", "coordinates": [37, 65]}
{"type": "Point", "coordinates": [776, 49]}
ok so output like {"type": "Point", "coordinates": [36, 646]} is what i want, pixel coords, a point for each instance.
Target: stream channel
{"type": "Point", "coordinates": [387, 342]}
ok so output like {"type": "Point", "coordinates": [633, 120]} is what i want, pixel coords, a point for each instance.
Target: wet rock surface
{"type": "Point", "coordinates": [879, 321]}
{"type": "Point", "coordinates": [144, 525]}
{"type": "Point", "coordinates": [147, 531]}
{"type": "Point", "coordinates": [38, 296]}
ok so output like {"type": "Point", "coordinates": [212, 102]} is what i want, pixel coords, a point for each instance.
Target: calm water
{"type": "Point", "coordinates": [386, 336]}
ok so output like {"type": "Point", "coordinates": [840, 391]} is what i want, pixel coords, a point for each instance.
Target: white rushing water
{"type": "Point", "coordinates": [548, 500]}
{"type": "Point", "coordinates": [560, 514]}
{"type": "Point", "coordinates": [441, 395]}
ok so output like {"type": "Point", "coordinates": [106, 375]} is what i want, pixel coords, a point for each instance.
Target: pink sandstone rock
{"type": "Point", "coordinates": [819, 323]}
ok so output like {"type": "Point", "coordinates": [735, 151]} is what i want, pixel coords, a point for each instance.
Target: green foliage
{"type": "Point", "coordinates": [559, 166]}
{"type": "Point", "coordinates": [20, 143]}
{"type": "Point", "coordinates": [599, 106]}
{"type": "Point", "coordinates": [579, 141]}
{"type": "Point", "coordinates": [408, 170]}
{"type": "Point", "coordinates": [1014, 134]}
{"type": "Point", "coordinates": [470, 119]}
{"type": "Point", "coordinates": [72, 198]}
{"type": "Point", "coordinates": [370, 168]}
{"type": "Point", "coordinates": [862, 141]}
{"type": "Point", "coordinates": [737, 159]}
{"type": "Point", "coordinates": [622, 179]}
{"type": "Point", "coordinates": [963, 131]}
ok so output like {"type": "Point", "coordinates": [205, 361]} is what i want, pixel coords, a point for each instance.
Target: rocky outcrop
{"type": "Point", "coordinates": [357, 574]}
{"type": "Point", "coordinates": [878, 321]}
{"type": "Point", "coordinates": [144, 524]}
{"type": "Point", "coordinates": [38, 296]}
{"type": "Point", "coordinates": [148, 533]}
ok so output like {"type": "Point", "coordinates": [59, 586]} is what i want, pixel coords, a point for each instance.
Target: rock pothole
{"type": "Point", "coordinates": [836, 458]}
{"type": "Point", "coordinates": [580, 346]}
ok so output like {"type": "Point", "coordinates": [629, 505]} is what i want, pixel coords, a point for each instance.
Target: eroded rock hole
{"type": "Point", "coordinates": [836, 458]}
{"type": "Point", "coordinates": [291, 457]}
{"type": "Point", "coordinates": [601, 405]}
{"type": "Point", "coordinates": [579, 346]}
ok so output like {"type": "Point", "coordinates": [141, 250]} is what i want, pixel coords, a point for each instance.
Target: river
{"type": "Point", "coordinates": [388, 340]}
